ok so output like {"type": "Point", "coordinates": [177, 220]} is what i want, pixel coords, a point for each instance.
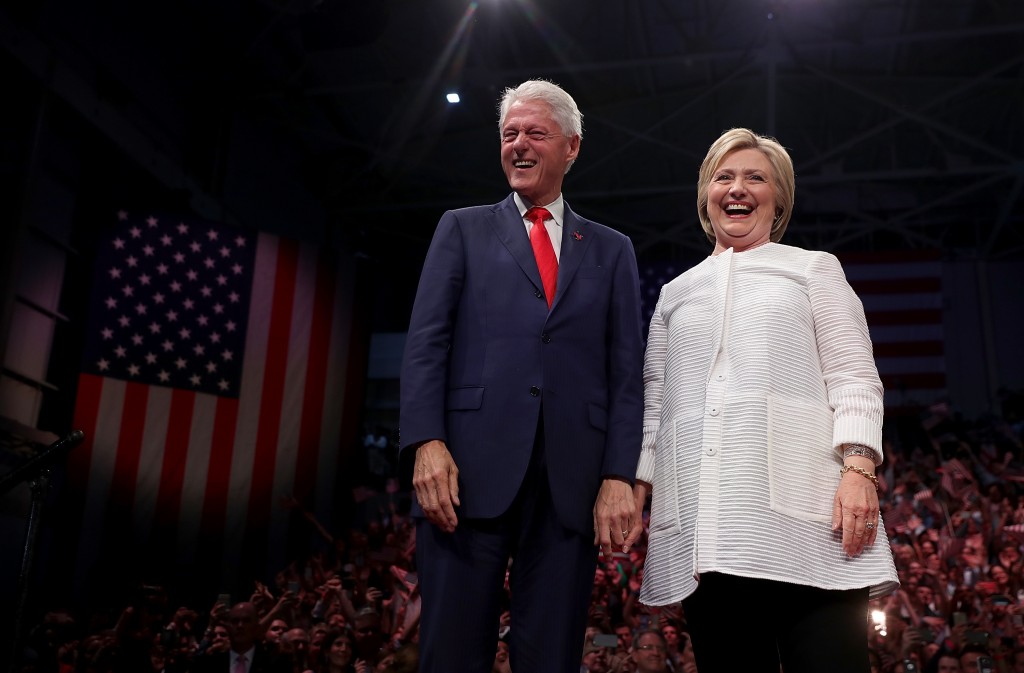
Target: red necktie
{"type": "Point", "coordinates": [547, 263]}
{"type": "Point", "coordinates": [240, 664]}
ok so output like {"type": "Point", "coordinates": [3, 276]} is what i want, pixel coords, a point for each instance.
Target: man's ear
{"type": "Point", "coordinates": [574, 148]}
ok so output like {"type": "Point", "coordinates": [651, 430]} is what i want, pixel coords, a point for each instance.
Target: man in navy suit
{"type": "Point", "coordinates": [522, 400]}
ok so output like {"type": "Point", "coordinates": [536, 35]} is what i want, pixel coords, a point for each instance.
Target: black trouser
{"type": "Point", "coordinates": [754, 625]}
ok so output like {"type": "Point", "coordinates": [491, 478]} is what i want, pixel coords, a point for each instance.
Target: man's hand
{"type": "Point", "coordinates": [615, 516]}
{"type": "Point", "coordinates": [436, 480]}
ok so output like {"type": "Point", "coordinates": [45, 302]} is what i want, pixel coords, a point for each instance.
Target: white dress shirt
{"type": "Point", "coordinates": [553, 225]}
{"type": "Point", "coordinates": [233, 660]}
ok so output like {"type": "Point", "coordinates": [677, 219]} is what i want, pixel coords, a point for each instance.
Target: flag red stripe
{"type": "Point", "coordinates": [316, 381]}
{"type": "Point", "coordinates": [909, 317]}
{"type": "Point", "coordinates": [892, 286]}
{"type": "Point", "coordinates": [892, 349]}
{"type": "Point", "coordinates": [914, 380]}
{"type": "Point", "coordinates": [890, 256]}
{"type": "Point", "coordinates": [172, 472]}
{"type": "Point", "coordinates": [87, 409]}
{"type": "Point", "coordinates": [129, 445]}
{"type": "Point", "coordinates": [272, 401]}
{"type": "Point", "coordinates": [218, 477]}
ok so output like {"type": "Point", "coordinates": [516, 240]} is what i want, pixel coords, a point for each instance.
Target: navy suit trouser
{"type": "Point", "coordinates": [462, 580]}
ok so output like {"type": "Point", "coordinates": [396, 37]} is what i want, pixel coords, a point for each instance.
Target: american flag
{"type": "Point", "coordinates": [213, 384]}
{"type": "Point", "coordinates": [902, 296]}
{"type": "Point", "coordinates": [956, 479]}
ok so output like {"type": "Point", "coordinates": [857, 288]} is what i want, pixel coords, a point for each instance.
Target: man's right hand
{"type": "Point", "coordinates": [436, 480]}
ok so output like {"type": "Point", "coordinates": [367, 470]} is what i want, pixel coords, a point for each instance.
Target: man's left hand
{"type": "Point", "coordinates": [614, 514]}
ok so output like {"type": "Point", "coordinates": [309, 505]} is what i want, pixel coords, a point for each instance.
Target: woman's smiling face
{"type": "Point", "coordinates": [741, 200]}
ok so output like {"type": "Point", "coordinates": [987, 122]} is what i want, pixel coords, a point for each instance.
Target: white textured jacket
{"type": "Point", "coordinates": [758, 370]}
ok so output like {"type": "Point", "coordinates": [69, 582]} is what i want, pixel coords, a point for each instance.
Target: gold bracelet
{"type": "Point", "coordinates": [861, 471]}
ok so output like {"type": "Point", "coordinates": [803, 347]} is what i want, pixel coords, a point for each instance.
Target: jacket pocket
{"type": "Point", "coordinates": [803, 468]}
{"type": "Point", "coordinates": [598, 416]}
{"type": "Point", "coordinates": [469, 397]}
{"type": "Point", "coordinates": [665, 496]}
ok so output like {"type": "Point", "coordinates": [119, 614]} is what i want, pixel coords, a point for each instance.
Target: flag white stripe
{"type": "Point", "coordinates": [905, 333]}
{"type": "Point", "coordinates": [291, 416]}
{"type": "Point", "coordinates": [151, 458]}
{"type": "Point", "coordinates": [101, 470]}
{"type": "Point", "coordinates": [197, 465]}
{"type": "Point", "coordinates": [910, 365]}
{"type": "Point", "coordinates": [334, 395]}
{"type": "Point", "coordinates": [253, 369]}
{"type": "Point", "coordinates": [901, 302]}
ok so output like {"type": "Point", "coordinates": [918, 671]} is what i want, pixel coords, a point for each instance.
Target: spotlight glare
{"type": "Point", "coordinates": [453, 97]}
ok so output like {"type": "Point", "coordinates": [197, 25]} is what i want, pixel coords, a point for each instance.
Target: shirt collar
{"type": "Point", "coordinates": [556, 207]}
{"type": "Point", "coordinates": [247, 654]}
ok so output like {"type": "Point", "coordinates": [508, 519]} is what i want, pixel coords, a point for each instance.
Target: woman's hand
{"type": "Point", "coordinates": [641, 489]}
{"type": "Point", "coordinates": [855, 507]}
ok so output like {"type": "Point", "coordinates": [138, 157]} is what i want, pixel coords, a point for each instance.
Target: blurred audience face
{"type": "Point", "coordinates": [275, 630]}
{"type": "Point", "coordinates": [1018, 662]}
{"type": "Point", "coordinates": [671, 634]}
{"type": "Point", "coordinates": [296, 643]}
{"type": "Point", "coordinates": [1009, 555]}
{"type": "Point", "coordinates": [384, 663]}
{"type": "Point", "coordinates": [243, 626]}
{"type": "Point", "coordinates": [340, 651]}
{"type": "Point", "coordinates": [625, 635]}
{"type": "Point", "coordinates": [948, 664]}
{"type": "Point", "coordinates": [317, 635]}
{"type": "Point", "coordinates": [220, 640]}
{"type": "Point", "coordinates": [367, 632]}
{"type": "Point", "coordinates": [649, 654]}
{"type": "Point", "coordinates": [969, 662]}
{"type": "Point", "coordinates": [594, 660]}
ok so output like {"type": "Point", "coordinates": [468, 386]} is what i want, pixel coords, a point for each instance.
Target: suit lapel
{"type": "Point", "coordinates": [575, 241]}
{"type": "Point", "coordinates": [510, 229]}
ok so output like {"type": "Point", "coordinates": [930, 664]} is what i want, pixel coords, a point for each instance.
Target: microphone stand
{"type": "Point", "coordinates": [36, 472]}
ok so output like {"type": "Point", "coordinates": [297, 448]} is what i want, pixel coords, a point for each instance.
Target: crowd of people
{"type": "Point", "coordinates": [952, 502]}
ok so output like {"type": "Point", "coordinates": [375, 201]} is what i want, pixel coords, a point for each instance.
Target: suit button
{"type": "Point", "coordinates": [545, 338]}
{"type": "Point", "coordinates": [534, 391]}
{"type": "Point", "coordinates": [538, 294]}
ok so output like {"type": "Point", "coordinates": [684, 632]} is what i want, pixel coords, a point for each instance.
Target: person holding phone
{"type": "Point", "coordinates": [762, 432]}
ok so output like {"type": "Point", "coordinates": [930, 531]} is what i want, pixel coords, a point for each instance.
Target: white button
{"type": "Point", "coordinates": [711, 450]}
{"type": "Point", "coordinates": [720, 377]}
{"type": "Point", "coordinates": [713, 411]}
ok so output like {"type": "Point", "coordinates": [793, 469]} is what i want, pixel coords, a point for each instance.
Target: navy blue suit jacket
{"type": "Point", "coordinates": [484, 353]}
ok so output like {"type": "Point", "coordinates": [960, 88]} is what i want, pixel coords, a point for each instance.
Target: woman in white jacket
{"type": "Point", "coordinates": [762, 432]}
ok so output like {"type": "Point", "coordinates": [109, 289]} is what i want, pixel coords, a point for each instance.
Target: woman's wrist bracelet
{"type": "Point", "coordinates": [861, 450]}
{"type": "Point", "coordinates": [861, 471]}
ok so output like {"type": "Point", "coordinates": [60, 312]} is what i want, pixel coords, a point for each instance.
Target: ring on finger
{"type": "Point", "coordinates": [869, 526]}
